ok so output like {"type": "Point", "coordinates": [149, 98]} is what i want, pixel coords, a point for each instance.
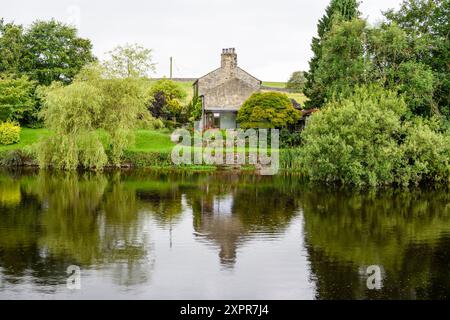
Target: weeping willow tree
{"type": "Point", "coordinates": [93, 121]}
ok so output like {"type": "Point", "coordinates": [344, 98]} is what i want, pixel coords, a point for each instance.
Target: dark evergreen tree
{"type": "Point", "coordinates": [338, 10]}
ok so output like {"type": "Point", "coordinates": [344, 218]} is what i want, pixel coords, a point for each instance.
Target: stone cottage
{"type": "Point", "coordinates": [223, 91]}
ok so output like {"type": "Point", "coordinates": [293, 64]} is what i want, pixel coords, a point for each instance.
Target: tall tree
{"type": "Point", "coordinates": [338, 10]}
{"type": "Point", "coordinates": [130, 61]}
{"type": "Point", "coordinates": [427, 25]}
{"type": "Point", "coordinates": [11, 47]}
{"type": "Point", "coordinates": [54, 52]}
{"type": "Point", "coordinates": [343, 64]}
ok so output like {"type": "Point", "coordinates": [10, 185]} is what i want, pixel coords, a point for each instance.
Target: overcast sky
{"type": "Point", "coordinates": [272, 37]}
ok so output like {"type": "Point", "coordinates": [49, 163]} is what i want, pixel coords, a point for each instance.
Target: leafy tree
{"type": "Point", "coordinates": [363, 140]}
{"type": "Point", "coordinates": [165, 100]}
{"type": "Point", "coordinates": [54, 52]}
{"type": "Point", "coordinates": [130, 61]}
{"type": "Point", "coordinates": [11, 47]}
{"type": "Point", "coordinates": [338, 10]}
{"type": "Point", "coordinates": [297, 81]}
{"type": "Point", "coordinates": [267, 110]}
{"type": "Point", "coordinates": [426, 23]}
{"type": "Point", "coordinates": [16, 97]}
{"type": "Point", "coordinates": [93, 120]}
{"type": "Point", "coordinates": [396, 67]}
{"type": "Point", "coordinates": [416, 82]}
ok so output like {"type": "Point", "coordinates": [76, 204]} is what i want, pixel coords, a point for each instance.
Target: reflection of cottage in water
{"type": "Point", "coordinates": [217, 224]}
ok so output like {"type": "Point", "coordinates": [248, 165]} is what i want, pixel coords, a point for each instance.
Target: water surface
{"type": "Point", "coordinates": [147, 235]}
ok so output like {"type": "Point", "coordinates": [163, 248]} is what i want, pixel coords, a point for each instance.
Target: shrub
{"type": "Point", "coordinates": [9, 133]}
{"type": "Point", "coordinates": [147, 122]}
{"type": "Point", "coordinates": [266, 110]}
{"type": "Point", "coordinates": [363, 140]}
{"type": "Point", "coordinates": [426, 155]}
{"type": "Point", "coordinates": [165, 100]}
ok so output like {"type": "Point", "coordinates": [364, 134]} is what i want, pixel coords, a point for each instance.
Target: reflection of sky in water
{"type": "Point", "coordinates": [223, 205]}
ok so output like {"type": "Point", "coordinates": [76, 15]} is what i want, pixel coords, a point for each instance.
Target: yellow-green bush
{"type": "Point", "coordinates": [9, 133]}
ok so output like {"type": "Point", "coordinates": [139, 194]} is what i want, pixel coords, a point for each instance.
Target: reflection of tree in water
{"type": "Point", "coordinates": [228, 208]}
{"type": "Point", "coordinates": [408, 233]}
{"type": "Point", "coordinates": [73, 219]}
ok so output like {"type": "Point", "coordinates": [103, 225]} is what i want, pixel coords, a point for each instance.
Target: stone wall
{"type": "Point", "coordinates": [228, 96]}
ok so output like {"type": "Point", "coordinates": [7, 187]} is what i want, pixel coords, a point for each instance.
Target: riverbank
{"type": "Point", "coordinates": [151, 149]}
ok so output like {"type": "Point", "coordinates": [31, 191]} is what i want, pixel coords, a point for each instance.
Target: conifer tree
{"type": "Point", "coordinates": [338, 10]}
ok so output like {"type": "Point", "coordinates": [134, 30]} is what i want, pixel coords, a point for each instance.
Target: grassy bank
{"type": "Point", "coordinates": [151, 149]}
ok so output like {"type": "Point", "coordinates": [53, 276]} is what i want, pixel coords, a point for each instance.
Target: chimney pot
{"type": "Point", "coordinates": [229, 58]}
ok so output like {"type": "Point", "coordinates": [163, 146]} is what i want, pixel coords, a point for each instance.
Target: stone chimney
{"type": "Point", "coordinates": [229, 58]}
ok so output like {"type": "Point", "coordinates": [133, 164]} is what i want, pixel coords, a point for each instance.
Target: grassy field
{"type": "Point", "coordinates": [280, 85]}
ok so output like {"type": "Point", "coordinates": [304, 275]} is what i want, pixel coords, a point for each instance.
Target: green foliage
{"type": "Point", "coordinates": [409, 53]}
{"type": "Point", "coordinates": [290, 160]}
{"type": "Point", "coordinates": [54, 52]}
{"type": "Point", "coordinates": [426, 154]}
{"type": "Point", "coordinates": [165, 100]}
{"type": "Point", "coordinates": [342, 65]}
{"type": "Point", "coordinates": [130, 61]}
{"type": "Point", "coordinates": [195, 108]}
{"type": "Point", "coordinates": [362, 140]}
{"type": "Point", "coordinates": [147, 122]}
{"type": "Point", "coordinates": [426, 23]}
{"type": "Point", "coordinates": [289, 139]}
{"type": "Point", "coordinates": [296, 82]}
{"type": "Point", "coordinates": [267, 110]}
{"type": "Point", "coordinates": [338, 10]}
{"type": "Point", "coordinates": [16, 97]}
{"type": "Point", "coordinates": [416, 83]}
{"type": "Point", "coordinates": [47, 51]}
{"type": "Point", "coordinates": [93, 121]}
{"type": "Point", "coordinates": [11, 47]}
{"type": "Point", "coordinates": [153, 159]}
{"type": "Point", "coordinates": [395, 66]}
{"type": "Point", "coordinates": [9, 133]}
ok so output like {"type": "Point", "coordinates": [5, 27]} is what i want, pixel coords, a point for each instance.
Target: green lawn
{"type": "Point", "coordinates": [147, 141]}
{"type": "Point", "coordinates": [27, 137]}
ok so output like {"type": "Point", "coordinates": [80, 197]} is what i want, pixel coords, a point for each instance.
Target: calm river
{"type": "Point", "coordinates": [144, 235]}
